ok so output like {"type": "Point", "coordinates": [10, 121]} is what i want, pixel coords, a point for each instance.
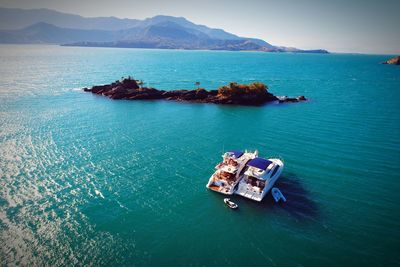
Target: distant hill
{"type": "Point", "coordinates": [49, 26]}
{"type": "Point", "coordinates": [46, 33]}
{"type": "Point", "coordinates": [16, 18]}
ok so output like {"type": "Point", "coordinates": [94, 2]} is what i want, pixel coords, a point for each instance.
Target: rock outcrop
{"type": "Point", "coordinates": [283, 99]}
{"type": "Point", "coordinates": [252, 94]}
{"type": "Point", "coordinates": [393, 61]}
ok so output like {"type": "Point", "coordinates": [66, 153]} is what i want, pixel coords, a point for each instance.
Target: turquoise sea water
{"type": "Point", "coordinates": [86, 180]}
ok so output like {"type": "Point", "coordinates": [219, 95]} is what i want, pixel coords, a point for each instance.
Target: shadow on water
{"type": "Point", "coordinates": [299, 202]}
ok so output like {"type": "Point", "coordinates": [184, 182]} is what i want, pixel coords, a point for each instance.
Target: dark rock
{"type": "Point", "coordinates": [118, 96]}
{"type": "Point", "coordinates": [234, 94]}
{"type": "Point", "coordinates": [174, 93]}
{"type": "Point", "coordinates": [147, 93]}
{"type": "Point", "coordinates": [130, 83]}
{"type": "Point", "coordinates": [285, 99]}
{"type": "Point", "coordinates": [189, 95]}
{"type": "Point", "coordinates": [393, 61]}
{"type": "Point", "coordinates": [119, 89]}
{"type": "Point", "coordinates": [100, 88]}
{"type": "Point", "coordinates": [288, 99]}
{"type": "Point", "coordinates": [213, 92]}
{"type": "Point", "coordinates": [201, 93]}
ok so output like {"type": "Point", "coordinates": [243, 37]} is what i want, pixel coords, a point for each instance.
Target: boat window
{"type": "Point", "coordinates": [274, 171]}
{"type": "Point", "coordinates": [271, 169]}
{"type": "Point", "coordinates": [252, 180]}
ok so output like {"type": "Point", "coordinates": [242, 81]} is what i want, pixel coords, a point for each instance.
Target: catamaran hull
{"type": "Point", "coordinates": [254, 195]}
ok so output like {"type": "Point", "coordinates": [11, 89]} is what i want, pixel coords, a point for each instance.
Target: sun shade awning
{"type": "Point", "coordinates": [259, 163]}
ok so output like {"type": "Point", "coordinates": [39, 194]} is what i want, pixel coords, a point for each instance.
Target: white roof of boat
{"type": "Point", "coordinates": [259, 163]}
{"type": "Point", "coordinates": [235, 153]}
{"type": "Point", "coordinates": [259, 173]}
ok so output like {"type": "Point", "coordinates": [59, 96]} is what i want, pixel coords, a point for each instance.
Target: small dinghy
{"type": "Point", "coordinates": [277, 195]}
{"type": "Point", "coordinates": [230, 204]}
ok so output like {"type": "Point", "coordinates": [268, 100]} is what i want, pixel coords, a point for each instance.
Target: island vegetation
{"type": "Point", "coordinates": [252, 94]}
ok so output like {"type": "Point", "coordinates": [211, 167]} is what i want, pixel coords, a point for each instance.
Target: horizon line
{"type": "Point", "coordinates": [196, 23]}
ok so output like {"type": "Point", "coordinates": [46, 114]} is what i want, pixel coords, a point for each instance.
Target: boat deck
{"type": "Point", "coordinates": [214, 187]}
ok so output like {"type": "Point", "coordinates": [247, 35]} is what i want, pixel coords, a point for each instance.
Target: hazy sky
{"type": "Point", "coordinates": [365, 26]}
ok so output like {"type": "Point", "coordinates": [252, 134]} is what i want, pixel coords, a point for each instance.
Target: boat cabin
{"type": "Point", "coordinates": [233, 154]}
{"type": "Point", "coordinates": [230, 159]}
{"type": "Point", "coordinates": [230, 171]}
{"type": "Point", "coordinates": [225, 176]}
{"type": "Point", "coordinates": [260, 169]}
{"type": "Point", "coordinates": [259, 177]}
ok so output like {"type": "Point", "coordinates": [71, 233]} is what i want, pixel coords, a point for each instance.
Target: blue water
{"type": "Point", "coordinates": [88, 180]}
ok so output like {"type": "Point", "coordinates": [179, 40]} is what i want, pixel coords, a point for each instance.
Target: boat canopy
{"type": "Point", "coordinates": [236, 153]}
{"type": "Point", "coordinates": [259, 163]}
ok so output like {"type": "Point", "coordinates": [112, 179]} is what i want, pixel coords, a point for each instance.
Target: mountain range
{"type": "Point", "coordinates": [30, 26]}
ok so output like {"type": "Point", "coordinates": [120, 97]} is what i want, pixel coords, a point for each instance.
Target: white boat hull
{"type": "Point", "coordinates": [254, 193]}
{"type": "Point", "coordinates": [222, 186]}
{"type": "Point", "coordinates": [219, 188]}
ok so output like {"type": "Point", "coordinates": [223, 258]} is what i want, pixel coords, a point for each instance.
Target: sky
{"type": "Point", "coordinates": [352, 26]}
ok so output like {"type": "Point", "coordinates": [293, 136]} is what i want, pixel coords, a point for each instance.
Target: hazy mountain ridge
{"type": "Point", "coordinates": [49, 26]}
{"type": "Point", "coordinates": [15, 18]}
{"type": "Point", "coordinates": [47, 33]}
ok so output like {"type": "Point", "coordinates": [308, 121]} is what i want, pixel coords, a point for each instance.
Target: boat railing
{"type": "Point", "coordinates": [278, 157]}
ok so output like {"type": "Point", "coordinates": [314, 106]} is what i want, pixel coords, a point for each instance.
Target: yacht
{"type": "Point", "coordinates": [259, 177]}
{"type": "Point", "coordinates": [229, 172]}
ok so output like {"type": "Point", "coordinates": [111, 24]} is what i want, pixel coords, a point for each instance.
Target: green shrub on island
{"type": "Point", "coordinates": [237, 90]}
